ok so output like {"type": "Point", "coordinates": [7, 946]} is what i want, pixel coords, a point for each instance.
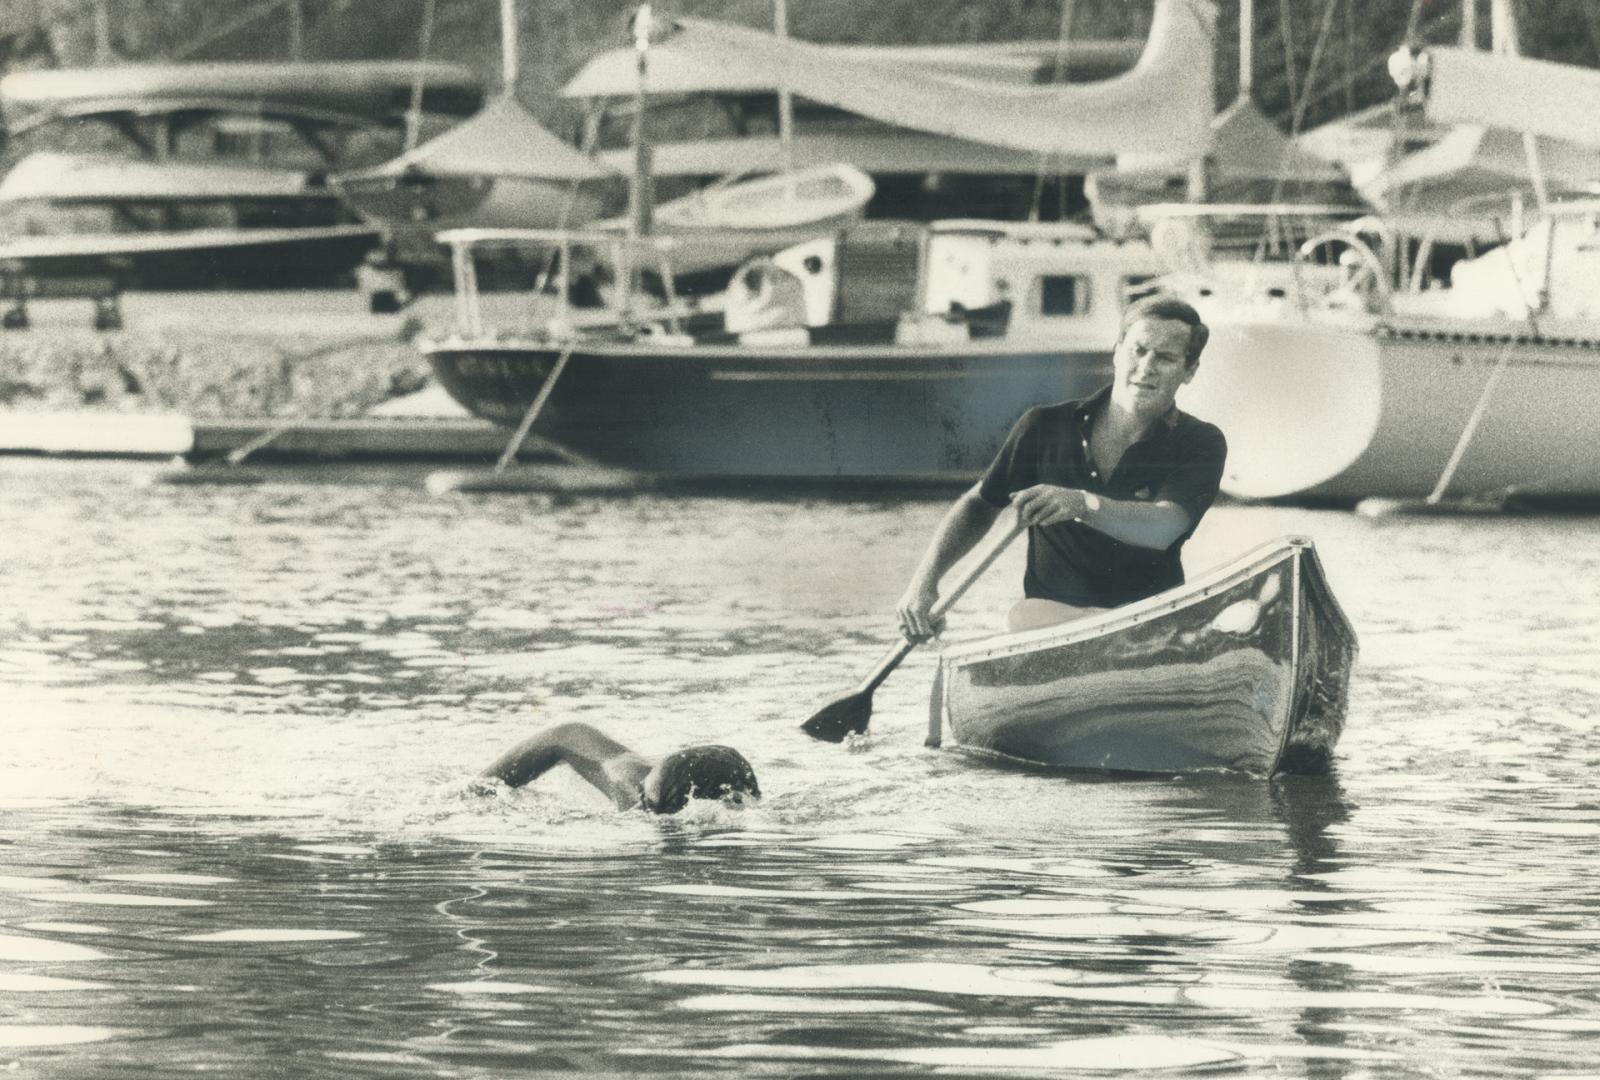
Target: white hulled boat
{"type": "Point", "coordinates": [1387, 384]}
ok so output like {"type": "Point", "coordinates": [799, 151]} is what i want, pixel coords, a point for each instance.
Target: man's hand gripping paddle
{"type": "Point", "coordinates": [851, 712]}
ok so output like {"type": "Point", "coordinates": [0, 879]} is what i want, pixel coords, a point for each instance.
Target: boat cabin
{"type": "Point", "coordinates": [968, 278]}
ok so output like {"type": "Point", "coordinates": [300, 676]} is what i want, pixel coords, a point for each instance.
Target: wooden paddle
{"type": "Point", "coordinates": [851, 712]}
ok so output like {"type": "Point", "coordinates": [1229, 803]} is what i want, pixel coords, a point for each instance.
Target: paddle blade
{"type": "Point", "coordinates": [840, 717]}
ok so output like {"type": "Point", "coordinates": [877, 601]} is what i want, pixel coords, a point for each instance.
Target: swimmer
{"type": "Point", "coordinates": [632, 781]}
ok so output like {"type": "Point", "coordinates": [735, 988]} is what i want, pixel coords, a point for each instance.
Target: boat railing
{"type": "Point", "coordinates": [1363, 276]}
{"type": "Point", "coordinates": [1189, 237]}
{"type": "Point", "coordinates": [629, 255]}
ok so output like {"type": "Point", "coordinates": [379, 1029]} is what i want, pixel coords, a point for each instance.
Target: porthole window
{"type": "Point", "coordinates": [1063, 294]}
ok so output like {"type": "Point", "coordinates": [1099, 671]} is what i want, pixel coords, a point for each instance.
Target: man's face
{"type": "Point", "coordinates": [1150, 364]}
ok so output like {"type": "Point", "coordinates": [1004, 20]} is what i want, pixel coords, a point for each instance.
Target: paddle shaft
{"type": "Point", "coordinates": [892, 658]}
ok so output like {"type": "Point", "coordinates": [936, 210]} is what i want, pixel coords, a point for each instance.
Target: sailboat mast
{"type": "Point", "coordinates": [1502, 29]}
{"type": "Point", "coordinates": [780, 25]}
{"type": "Point", "coordinates": [103, 52]}
{"type": "Point", "coordinates": [508, 45]}
{"type": "Point", "coordinates": [1247, 48]}
{"type": "Point", "coordinates": [1503, 42]}
{"type": "Point", "coordinates": [639, 189]}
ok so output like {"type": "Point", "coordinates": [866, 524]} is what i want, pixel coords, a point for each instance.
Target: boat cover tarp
{"type": "Point", "coordinates": [1514, 93]}
{"type": "Point", "coordinates": [1245, 145]}
{"type": "Point", "coordinates": [63, 178]}
{"type": "Point", "coordinates": [880, 152]}
{"type": "Point", "coordinates": [1476, 163]}
{"type": "Point", "coordinates": [694, 61]}
{"type": "Point", "coordinates": [1160, 111]}
{"type": "Point", "coordinates": [503, 140]}
{"type": "Point", "coordinates": [372, 89]}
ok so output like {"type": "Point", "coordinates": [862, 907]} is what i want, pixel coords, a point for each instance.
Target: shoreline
{"type": "Point", "coordinates": [309, 375]}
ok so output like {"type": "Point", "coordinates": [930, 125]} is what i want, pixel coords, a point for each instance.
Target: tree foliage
{"type": "Point", "coordinates": [1321, 58]}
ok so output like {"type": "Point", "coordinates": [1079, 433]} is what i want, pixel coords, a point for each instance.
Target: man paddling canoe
{"type": "Point", "coordinates": [1110, 487]}
{"type": "Point", "coordinates": [632, 781]}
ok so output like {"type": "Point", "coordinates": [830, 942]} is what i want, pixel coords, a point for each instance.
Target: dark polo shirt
{"type": "Point", "coordinates": [1180, 460]}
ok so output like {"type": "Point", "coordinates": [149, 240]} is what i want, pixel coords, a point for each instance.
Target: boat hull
{"type": "Point", "coordinates": [804, 411]}
{"type": "Point", "coordinates": [310, 257]}
{"type": "Point", "coordinates": [1349, 410]}
{"type": "Point", "coordinates": [1246, 669]}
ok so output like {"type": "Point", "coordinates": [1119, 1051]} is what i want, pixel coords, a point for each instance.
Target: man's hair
{"type": "Point", "coordinates": [1161, 306]}
{"type": "Point", "coordinates": [702, 772]}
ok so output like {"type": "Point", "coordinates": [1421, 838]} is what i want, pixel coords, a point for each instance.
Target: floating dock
{"type": "Point", "coordinates": [388, 437]}
{"type": "Point", "coordinates": [109, 434]}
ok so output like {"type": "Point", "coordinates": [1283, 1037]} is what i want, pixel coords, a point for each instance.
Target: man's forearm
{"type": "Point", "coordinates": [966, 523]}
{"type": "Point", "coordinates": [1155, 525]}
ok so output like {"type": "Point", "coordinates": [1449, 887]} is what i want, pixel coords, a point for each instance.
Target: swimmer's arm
{"type": "Point", "coordinates": [602, 761]}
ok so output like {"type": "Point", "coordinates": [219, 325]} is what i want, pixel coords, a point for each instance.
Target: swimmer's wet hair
{"type": "Point", "coordinates": [702, 772]}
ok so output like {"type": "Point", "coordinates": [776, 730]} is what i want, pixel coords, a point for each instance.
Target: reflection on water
{"type": "Point", "coordinates": [237, 828]}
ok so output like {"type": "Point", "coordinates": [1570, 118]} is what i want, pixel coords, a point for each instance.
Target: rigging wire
{"type": "Point", "coordinates": [1311, 68]}
{"type": "Point", "coordinates": [424, 46]}
{"type": "Point", "coordinates": [1272, 80]}
{"type": "Point", "coordinates": [1046, 157]}
{"type": "Point", "coordinates": [238, 22]}
{"type": "Point", "coordinates": [1286, 33]}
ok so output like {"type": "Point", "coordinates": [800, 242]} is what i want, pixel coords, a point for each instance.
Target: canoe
{"type": "Point", "coordinates": [1245, 668]}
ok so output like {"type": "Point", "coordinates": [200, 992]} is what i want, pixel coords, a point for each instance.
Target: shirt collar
{"type": "Point", "coordinates": [1090, 407]}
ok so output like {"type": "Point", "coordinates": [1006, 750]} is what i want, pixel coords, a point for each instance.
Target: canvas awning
{"type": "Point", "coordinates": [503, 140]}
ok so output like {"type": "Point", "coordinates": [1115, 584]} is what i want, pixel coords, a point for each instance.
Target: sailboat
{"type": "Point", "coordinates": [882, 350]}
{"type": "Point", "coordinates": [504, 169]}
{"type": "Point", "coordinates": [1380, 384]}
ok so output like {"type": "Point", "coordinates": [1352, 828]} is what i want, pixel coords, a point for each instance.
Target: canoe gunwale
{"type": "Point", "coordinates": [1213, 581]}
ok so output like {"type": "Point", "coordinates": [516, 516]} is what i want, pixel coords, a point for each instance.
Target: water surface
{"type": "Point", "coordinates": [238, 836]}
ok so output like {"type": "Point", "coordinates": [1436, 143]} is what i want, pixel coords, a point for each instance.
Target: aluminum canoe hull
{"type": "Point", "coordinates": [880, 411]}
{"type": "Point", "coordinates": [1246, 668]}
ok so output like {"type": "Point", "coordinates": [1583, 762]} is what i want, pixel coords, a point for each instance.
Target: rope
{"type": "Point", "coordinates": [510, 453]}
{"type": "Point", "coordinates": [244, 18]}
{"type": "Point", "coordinates": [1489, 386]}
{"type": "Point", "coordinates": [1288, 47]}
{"type": "Point", "coordinates": [424, 46]}
{"type": "Point", "coordinates": [1267, 81]}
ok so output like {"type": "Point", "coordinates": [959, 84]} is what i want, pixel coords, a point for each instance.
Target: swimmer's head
{"type": "Point", "coordinates": [699, 772]}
